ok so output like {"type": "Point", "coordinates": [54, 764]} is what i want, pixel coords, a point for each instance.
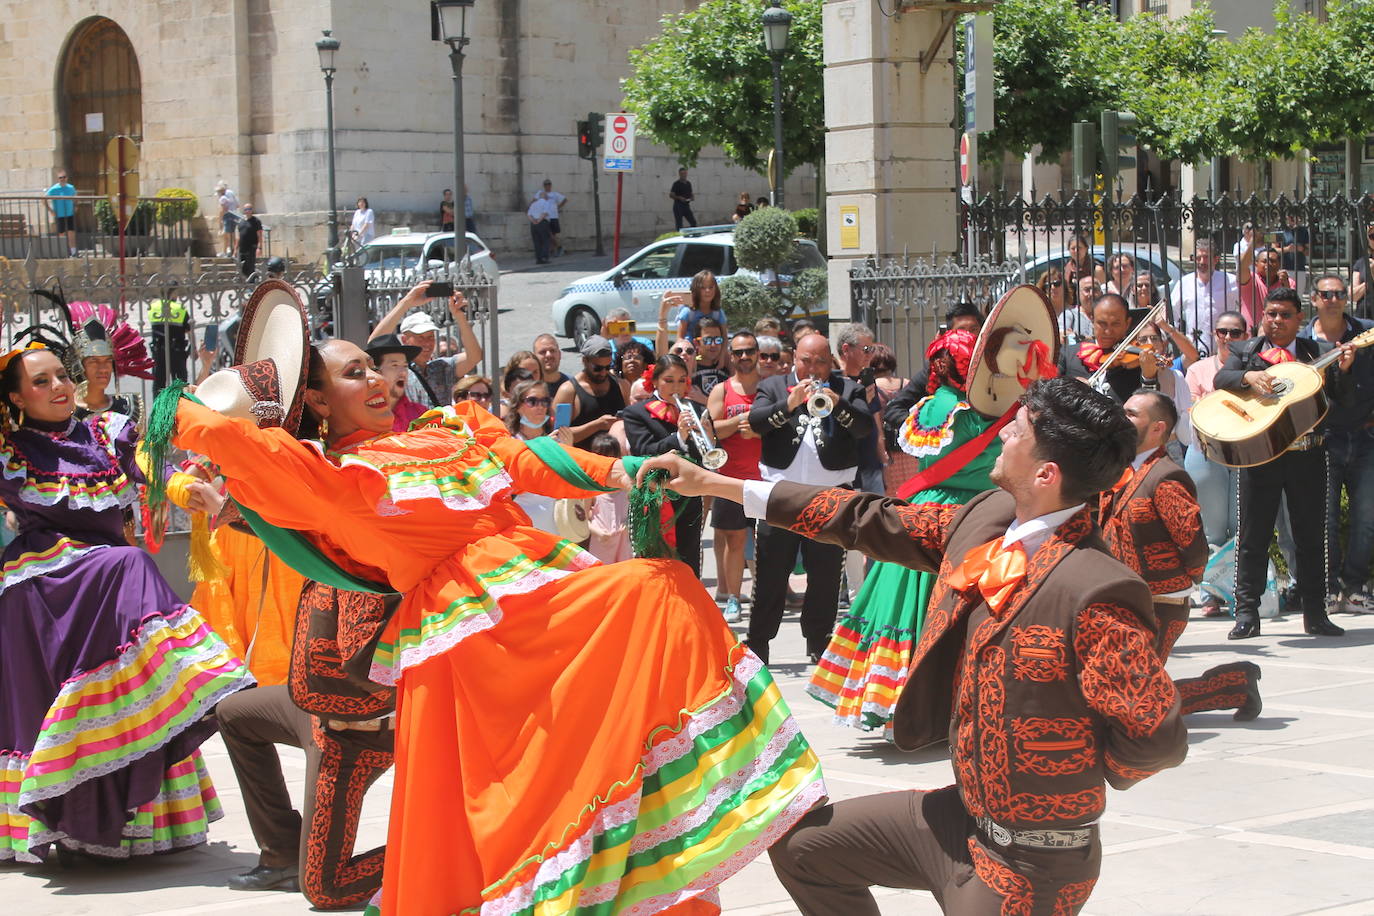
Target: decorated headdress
{"type": "Point", "coordinates": [97, 330]}
{"type": "Point", "coordinates": [958, 345]}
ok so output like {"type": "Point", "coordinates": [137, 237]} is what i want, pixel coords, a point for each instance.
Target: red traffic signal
{"type": "Point", "coordinates": [585, 148]}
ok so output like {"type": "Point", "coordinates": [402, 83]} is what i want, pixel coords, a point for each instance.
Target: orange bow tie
{"type": "Point", "coordinates": [1126, 474]}
{"type": "Point", "coordinates": [996, 572]}
{"type": "Point", "coordinates": [1275, 355]}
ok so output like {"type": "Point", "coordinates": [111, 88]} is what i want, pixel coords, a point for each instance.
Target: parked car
{"type": "Point", "coordinates": [403, 253]}
{"type": "Point", "coordinates": [639, 282]}
{"type": "Point", "coordinates": [1165, 270]}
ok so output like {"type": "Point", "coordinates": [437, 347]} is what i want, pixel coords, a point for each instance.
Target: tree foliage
{"type": "Point", "coordinates": [706, 80]}
{"type": "Point", "coordinates": [1260, 94]}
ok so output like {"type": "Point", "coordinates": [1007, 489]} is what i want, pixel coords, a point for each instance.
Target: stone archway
{"type": "Point", "coordinates": [99, 96]}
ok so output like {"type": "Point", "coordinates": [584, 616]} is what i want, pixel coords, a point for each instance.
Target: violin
{"type": "Point", "coordinates": [1131, 356]}
{"type": "Point", "coordinates": [1126, 353]}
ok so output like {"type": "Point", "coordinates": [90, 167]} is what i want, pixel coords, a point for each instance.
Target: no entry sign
{"type": "Point", "coordinates": [619, 155]}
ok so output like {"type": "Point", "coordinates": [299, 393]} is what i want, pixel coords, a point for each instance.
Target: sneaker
{"type": "Point", "coordinates": [1335, 604]}
{"type": "Point", "coordinates": [1358, 602]}
{"type": "Point", "coordinates": [732, 610]}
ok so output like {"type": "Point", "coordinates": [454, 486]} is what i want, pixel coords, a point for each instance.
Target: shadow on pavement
{"type": "Point", "coordinates": [204, 866]}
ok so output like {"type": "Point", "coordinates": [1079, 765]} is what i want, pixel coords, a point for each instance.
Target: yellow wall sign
{"type": "Point", "coordinates": [849, 227]}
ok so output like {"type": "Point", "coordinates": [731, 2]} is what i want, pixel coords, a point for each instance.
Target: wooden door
{"type": "Point", "coordinates": [100, 96]}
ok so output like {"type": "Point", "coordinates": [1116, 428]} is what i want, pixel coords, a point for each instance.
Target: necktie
{"type": "Point", "coordinates": [996, 571]}
{"type": "Point", "coordinates": [1275, 355]}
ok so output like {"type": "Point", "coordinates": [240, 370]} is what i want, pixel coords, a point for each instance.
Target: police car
{"type": "Point", "coordinates": [639, 282]}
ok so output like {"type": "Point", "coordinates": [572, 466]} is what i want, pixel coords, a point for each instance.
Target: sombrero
{"type": "Point", "coordinates": [274, 346]}
{"type": "Point", "coordinates": [1018, 344]}
{"type": "Point", "coordinates": [570, 518]}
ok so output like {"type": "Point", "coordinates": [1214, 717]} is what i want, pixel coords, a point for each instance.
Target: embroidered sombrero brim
{"type": "Point", "coordinates": [1019, 340]}
{"type": "Point", "coordinates": [274, 346]}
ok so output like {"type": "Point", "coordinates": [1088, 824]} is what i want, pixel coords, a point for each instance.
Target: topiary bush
{"type": "Point", "coordinates": [140, 223]}
{"type": "Point", "coordinates": [171, 212]}
{"type": "Point", "coordinates": [745, 300]}
{"type": "Point", "coordinates": [808, 222]}
{"type": "Point", "coordinates": [765, 238]}
{"type": "Point", "coordinates": [809, 287]}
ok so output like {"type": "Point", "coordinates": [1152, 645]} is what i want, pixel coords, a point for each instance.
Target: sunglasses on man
{"type": "Point", "coordinates": [744, 351]}
{"type": "Point", "coordinates": [1331, 295]}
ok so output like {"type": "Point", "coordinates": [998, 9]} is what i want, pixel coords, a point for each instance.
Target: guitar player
{"type": "Point", "coordinates": [1298, 475]}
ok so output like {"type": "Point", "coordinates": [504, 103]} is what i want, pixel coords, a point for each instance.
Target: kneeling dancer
{"type": "Point", "coordinates": [1036, 661]}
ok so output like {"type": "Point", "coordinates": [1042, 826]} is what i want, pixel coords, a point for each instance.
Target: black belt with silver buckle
{"type": "Point", "coordinates": [1075, 838]}
{"type": "Point", "coordinates": [1307, 442]}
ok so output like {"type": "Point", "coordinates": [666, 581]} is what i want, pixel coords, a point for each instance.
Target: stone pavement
{"type": "Point", "coordinates": [1272, 817]}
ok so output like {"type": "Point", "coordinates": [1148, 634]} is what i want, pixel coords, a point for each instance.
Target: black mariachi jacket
{"type": "Point", "coordinates": [1245, 357]}
{"type": "Point", "coordinates": [838, 436]}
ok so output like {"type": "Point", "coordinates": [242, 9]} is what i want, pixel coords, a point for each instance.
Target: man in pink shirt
{"type": "Point", "coordinates": [1257, 272]}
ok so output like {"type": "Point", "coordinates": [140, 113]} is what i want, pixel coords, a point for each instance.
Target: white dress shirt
{"type": "Point", "coordinates": [806, 465]}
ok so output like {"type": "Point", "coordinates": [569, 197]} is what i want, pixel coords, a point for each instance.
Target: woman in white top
{"type": "Point", "coordinates": [364, 228]}
{"type": "Point", "coordinates": [529, 420]}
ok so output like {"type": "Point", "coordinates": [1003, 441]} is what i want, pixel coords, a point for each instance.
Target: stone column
{"type": "Point", "coordinates": [890, 150]}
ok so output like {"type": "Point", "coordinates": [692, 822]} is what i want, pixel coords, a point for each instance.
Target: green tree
{"type": "Point", "coordinates": [706, 80]}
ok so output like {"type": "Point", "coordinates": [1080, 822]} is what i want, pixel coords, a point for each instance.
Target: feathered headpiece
{"type": "Point", "coordinates": [96, 330]}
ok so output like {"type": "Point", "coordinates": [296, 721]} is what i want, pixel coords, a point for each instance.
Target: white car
{"type": "Point", "coordinates": [639, 282]}
{"type": "Point", "coordinates": [403, 254]}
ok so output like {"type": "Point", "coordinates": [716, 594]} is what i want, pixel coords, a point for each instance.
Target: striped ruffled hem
{"type": "Point", "coordinates": [172, 674]}
{"type": "Point", "coordinates": [473, 614]}
{"type": "Point", "coordinates": [37, 563]}
{"type": "Point", "coordinates": [178, 818]}
{"type": "Point", "coordinates": [926, 441]}
{"type": "Point", "coordinates": [709, 796]}
{"type": "Point", "coordinates": [862, 684]}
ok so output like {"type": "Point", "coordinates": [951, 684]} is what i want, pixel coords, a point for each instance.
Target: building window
{"type": "Point", "coordinates": [1158, 7]}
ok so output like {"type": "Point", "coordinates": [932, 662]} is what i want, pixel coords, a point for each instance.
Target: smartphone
{"type": "Point", "coordinates": [211, 341]}
{"type": "Point", "coordinates": [440, 289]}
{"type": "Point", "coordinates": [562, 416]}
{"type": "Point", "coordinates": [616, 328]}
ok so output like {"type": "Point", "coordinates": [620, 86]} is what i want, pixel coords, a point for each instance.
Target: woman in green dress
{"type": "Point", "coordinates": [863, 669]}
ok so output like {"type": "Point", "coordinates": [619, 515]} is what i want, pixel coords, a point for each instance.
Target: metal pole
{"type": "Point", "coordinates": [777, 130]}
{"type": "Point", "coordinates": [619, 192]}
{"type": "Point", "coordinates": [333, 193]}
{"type": "Point", "coordinates": [596, 203]}
{"type": "Point", "coordinates": [460, 193]}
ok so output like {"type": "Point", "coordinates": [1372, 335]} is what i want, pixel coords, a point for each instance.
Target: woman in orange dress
{"type": "Point", "coordinates": [571, 737]}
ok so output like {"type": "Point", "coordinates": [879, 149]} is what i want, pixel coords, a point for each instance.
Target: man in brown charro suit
{"type": "Point", "coordinates": [343, 723]}
{"type": "Point", "coordinates": [1036, 662]}
{"type": "Point", "coordinates": [1151, 522]}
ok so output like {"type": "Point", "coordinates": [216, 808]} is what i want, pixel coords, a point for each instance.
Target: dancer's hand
{"type": "Point", "coordinates": [203, 497]}
{"type": "Point", "coordinates": [684, 477]}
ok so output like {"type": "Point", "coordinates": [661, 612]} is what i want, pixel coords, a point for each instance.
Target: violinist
{"type": "Point", "coordinates": [1138, 365]}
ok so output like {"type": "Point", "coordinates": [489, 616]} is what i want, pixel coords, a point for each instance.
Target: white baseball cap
{"type": "Point", "coordinates": [418, 323]}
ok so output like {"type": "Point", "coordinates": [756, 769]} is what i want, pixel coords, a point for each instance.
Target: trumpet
{"type": "Point", "coordinates": [817, 404]}
{"type": "Point", "coordinates": [712, 455]}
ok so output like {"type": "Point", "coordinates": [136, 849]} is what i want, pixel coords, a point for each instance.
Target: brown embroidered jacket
{"type": "Point", "coordinates": [1042, 704]}
{"type": "Point", "coordinates": [336, 632]}
{"type": "Point", "coordinates": [1153, 525]}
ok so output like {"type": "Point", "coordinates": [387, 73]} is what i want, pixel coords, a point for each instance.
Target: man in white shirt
{"type": "Point", "coordinates": [1201, 296]}
{"type": "Point", "coordinates": [800, 446]}
{"type": "Point", "coordinates": [556, 200]}
{"type": "Point", "coordinates": [540, 213]}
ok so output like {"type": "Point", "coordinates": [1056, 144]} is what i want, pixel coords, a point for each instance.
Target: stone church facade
{"type": "Point", "coordinates": [231, 90]}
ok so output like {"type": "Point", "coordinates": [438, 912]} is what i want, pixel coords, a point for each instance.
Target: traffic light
{"type": "Point", "coordinates": [1118, 138]}
{"type": "Point", "coordinates": [1084, 155]}
{"type": "Point", "coordinates": [585, 149]}
{"type": "Point", "coordinates": [597, 122]}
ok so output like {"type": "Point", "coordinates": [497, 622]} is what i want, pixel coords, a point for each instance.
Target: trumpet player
{"type": "Point", "coordinates": [669, 422]}
{"type": "Point", "coordinates": [811, 422]}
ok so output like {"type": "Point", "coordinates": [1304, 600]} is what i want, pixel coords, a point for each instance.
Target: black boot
{"type": "Point", "coordinates": [1247, 625]}
{"type": "Point", "coordinates": [1316, 623]}
{"type": "Point", "coordinates": [1250, 709]}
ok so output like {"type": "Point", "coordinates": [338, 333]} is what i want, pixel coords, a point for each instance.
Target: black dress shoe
{"type": "Point", "coordinates": [263, 878]}
{"type": "Point", "coordinates": [1250, 709]}
{"type": "Point", "coordinates": [1321, 626]}
{"type": "Point", "coordinates": [1245, 628]}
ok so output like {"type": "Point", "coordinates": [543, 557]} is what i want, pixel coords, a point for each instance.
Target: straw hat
{"type": "Point", "coordinates": [274, 345]}
{"type": "Point", "coordinates": [1019, 343]}
{"type": "Point", "coordinates": [570, 518]}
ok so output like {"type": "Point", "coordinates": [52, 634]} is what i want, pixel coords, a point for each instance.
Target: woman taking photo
{"type": "Point", "coordinates": [657, 426]}
{"type": "Point", "coordinates": [106, 677]}
{"type": "Point", "coordinates": [513, 650]}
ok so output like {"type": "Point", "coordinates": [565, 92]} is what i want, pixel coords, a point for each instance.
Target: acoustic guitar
{"type": "Point", "coordinates": [1242, 429]}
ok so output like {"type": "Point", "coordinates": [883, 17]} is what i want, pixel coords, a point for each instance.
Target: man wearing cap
{"type": "Point", "coordinates": [596, 395]}
{"type": "Point", "coordinates": [431, 379]}
{"type": "Point", "coordinates": [393, 358]}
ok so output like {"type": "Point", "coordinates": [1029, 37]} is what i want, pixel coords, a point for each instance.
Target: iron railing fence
{"type": "Point", "coordinates": [1159, 233]}
{"type": "Point", "coordinates": [904, 301]}
{"type": "Point", "coordinates": [28, 224]}
{"type": "Point", "coordinates": [215, 292]}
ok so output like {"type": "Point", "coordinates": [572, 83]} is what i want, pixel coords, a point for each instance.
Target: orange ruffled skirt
{"type": "Point", "coordinates": [607, 747]}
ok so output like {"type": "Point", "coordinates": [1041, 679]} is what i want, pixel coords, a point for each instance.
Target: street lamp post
{"type": "Point", "coordinates": [776, 24]}
{"type": "Point", "coordinates": [327, 47]}
{"type": "Point", "coordinates": [450, 18]}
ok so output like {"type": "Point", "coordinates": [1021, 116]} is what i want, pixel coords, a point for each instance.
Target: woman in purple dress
{"type": "Point", "coordinates": [106, 677]}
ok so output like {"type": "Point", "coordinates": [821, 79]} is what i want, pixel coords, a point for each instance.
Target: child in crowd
{"type": "Point", "coordinates": [610, 540]}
